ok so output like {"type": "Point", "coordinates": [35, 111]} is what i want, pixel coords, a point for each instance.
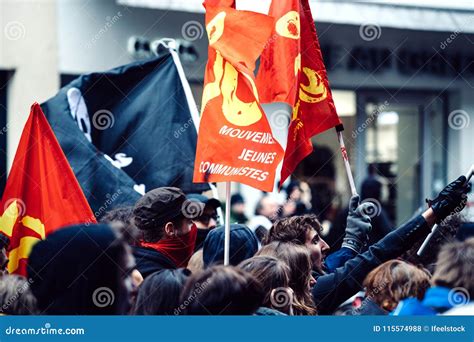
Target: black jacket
{"type": "Point", "coordinates": [149, 260]}
{"type": "Point", "coordinates": [334, 288]}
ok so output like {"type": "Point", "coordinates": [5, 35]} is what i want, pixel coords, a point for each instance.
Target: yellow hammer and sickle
{"type": "Point", "coordinates": [316, 91]}
{"type": "Point", "coordinates": [7, 223]}
{"type": "Point", "coordinates": [236, 111]}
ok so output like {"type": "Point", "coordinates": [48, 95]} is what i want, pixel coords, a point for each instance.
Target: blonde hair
{"type": "Point", "coordinates": [394, 281]}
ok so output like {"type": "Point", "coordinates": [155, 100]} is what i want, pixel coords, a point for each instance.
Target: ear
{"type": "Point", "coordinates": [169, 229]}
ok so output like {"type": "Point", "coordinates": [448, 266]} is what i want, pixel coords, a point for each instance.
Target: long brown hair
{"type": "Point", "coordinates": [299, 261]}
{"type": "Point", "coordinates": [273, 274]}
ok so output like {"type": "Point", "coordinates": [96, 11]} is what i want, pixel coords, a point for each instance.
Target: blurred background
{"type": "Point", "coordinates": [401, 72]}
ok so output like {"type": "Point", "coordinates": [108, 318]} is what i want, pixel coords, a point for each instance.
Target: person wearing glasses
{"type": "Point", "coordinates": [208, 220]}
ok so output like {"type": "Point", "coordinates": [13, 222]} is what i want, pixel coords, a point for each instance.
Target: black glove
{"type": "Point", "coordinates": [358, 225]}
{"type": "Point", "coordinates": [452, 199]}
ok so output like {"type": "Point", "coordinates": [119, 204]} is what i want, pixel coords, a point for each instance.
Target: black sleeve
{"type": "Point", "coordinates": [334, 288]}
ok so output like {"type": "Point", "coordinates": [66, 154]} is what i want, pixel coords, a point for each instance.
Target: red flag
{"type": "Point", "coordinates": [235, 141]}
{"type": "Point", "coordinates": [292, 71]}
{"type": "Point", "coordinates": [42, 193]}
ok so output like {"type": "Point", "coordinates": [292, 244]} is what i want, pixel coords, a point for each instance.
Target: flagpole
{"type": "Point", "coordinates": [345, 158]}
{"type": "Point", "coordinates": [227, 223]}
{"type": "Point", "coordinates": [436, 227]}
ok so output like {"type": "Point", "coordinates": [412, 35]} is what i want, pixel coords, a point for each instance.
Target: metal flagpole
{"type": "Point", "coordinates": [339, 129]}
{"type": "Point", "coordinates": [436, 227]}
{"type": "Point", "coordinates": [227, 223]}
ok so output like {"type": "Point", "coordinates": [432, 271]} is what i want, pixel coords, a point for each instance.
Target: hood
{"type": "Point", "coordinates": [243, 245]}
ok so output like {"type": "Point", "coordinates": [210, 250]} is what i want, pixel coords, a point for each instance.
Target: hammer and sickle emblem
{"type": "Point", "coordinates": [7, 223]}
{"type": "Point", "coordinates": [226, 82]}
{"type": "Point", "coordinates": [289, 25]}
{"type": "Point", "coordinates": [316, 91]}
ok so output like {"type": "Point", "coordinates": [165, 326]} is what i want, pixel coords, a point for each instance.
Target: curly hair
{"type": "Point", "coordinates": [293, 229]}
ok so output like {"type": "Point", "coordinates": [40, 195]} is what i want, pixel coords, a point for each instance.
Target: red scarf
{"type": "Point", "coordinates": [178, 248]}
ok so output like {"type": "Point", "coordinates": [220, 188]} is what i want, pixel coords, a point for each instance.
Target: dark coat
{"type": "Point", "coordinates": [334, 288]}
{"type": "Point", "coordinates": [149, 260]}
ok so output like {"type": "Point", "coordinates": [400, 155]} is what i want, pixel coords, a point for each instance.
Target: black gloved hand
{"type": "Point", "coordinates": [452, 199]}
{"type": "Point", "coordinates": [358, 225]}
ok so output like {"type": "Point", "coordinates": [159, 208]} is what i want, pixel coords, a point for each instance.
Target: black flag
{"type": "Point", "coordinates": [126, 131]}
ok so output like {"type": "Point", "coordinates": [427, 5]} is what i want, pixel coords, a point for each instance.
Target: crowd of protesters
{"type": "Point", "coordinates": [165, 256]}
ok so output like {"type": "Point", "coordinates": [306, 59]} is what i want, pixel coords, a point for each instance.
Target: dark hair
{"type": "Point", "coordinates": [298, 259]}
{"type": "Point", "coordinates": [4, 241]}
{"type": "Point", "coordinates": [16, 297]}
{"type": "Point", "coordinates": [221, 290]}
{"type": "Point", "coordinates": [159, 293]}
{"type": "Point", "coordinates": [156, 234]}
{"type": "Point", "coordinates": [121, 219]}
{"type": "Point", "coordinates": [270, 272]}
{"type": "Point", "coordinates": [293, 229]}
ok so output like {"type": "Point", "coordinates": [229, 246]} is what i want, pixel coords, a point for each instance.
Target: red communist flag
{"type": "Point", "coordinates": [42, 193]}
{"type": "Point", "coordinates": [235, 141]}
{"type": "Point", "coordinates": [292, 71]}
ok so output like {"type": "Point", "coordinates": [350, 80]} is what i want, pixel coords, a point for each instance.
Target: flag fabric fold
{"type": "Point", "coordinates": [292, 71]}
{"type": "Point", "coordinates": [42, 194]}
{"type": "Point", "coordinates": [126, 131]}
{"type": "Point", "coordinates": [235, 141]}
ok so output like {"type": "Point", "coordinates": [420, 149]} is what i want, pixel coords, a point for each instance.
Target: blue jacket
{"type": "Point", "coordinates": [437, 300]}
{"type": "Point", "coordinates": [334, 288]}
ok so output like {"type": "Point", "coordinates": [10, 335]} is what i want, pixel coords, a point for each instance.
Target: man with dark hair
{"type": "Point", "coordinates": [332, 288]}
{"type": "Point", "coordinates": [207, 219]}
{"type": "Point", "coordinates": [4, 243]}
{"type": "Point", "coordinates": [168, 234]}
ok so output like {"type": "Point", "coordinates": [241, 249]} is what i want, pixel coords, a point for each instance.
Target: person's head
{"type": "Point", "coordinates": [208, 218]}
{"type": "Point", "coordinates": [293, 191]}
{"type": "Point", "coordinates": [4, 243]}
{"type": "Point", "coordinates": [394, 281]}
{"type": "Point", "coordinates": [160, 291]}
{"type": "Point", "coordinates": [237, 204]}
{"type": "Point", "coordinates": [81, 270]}
{"type": "Point", "coordinates": [243, 245]}
{"type": "Point", "coordinates": [298, 260]}
{"type": "Point", "coordinates": [122, 220]}
{"type": "Point", "coordinates": [15, 296]}
{"type": "Point", "coordinates": [221, 290]}
{"type": "Point", "coordinates": [454, 267]}
{"type": "Point", "coordinates": [301, 230]}
{"type": "Point", "coordinates": [274, 275]}
{"type": "Point", "coordinates": [165, 213]}
{"type": "Point", "coordinates": [268, 206]}
{"type": "Point", "coordinates": [196, 263]}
